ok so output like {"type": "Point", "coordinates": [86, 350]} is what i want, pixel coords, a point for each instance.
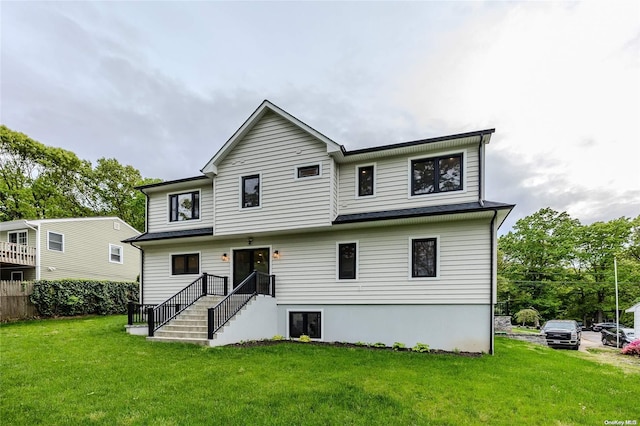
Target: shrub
{"type": "Point", "coordinates": [379, 345]}
{"type": "Point", "coordinates": [632, 348]}
{"type": "Point", "coordinates": [82, 297]}
{"type": "Point", "coordinates": [277, 337]}
{"type": "Point", "coordinates": [304, 338]}
{"type": "Point", "coordinates": [420, 347]}
{"type": "Point", "coordinates": [397, 346]}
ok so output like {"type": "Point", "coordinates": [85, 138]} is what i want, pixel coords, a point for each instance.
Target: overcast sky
{"type": "Point", "coordinates": [162, 85]}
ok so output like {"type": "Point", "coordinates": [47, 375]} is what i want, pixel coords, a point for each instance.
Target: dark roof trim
{"type": "Point", "coordinates": [421, 212]}
{"type": "Point", "coordinates": [154, 236]}
{"type": "Point", "coordinates": [420, 142]}
{"type": "Point", "coordinates": [171, 182]}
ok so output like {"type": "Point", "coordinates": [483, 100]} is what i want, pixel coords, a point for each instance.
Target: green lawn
{"type": "Point", "coordinates": [89, 371]}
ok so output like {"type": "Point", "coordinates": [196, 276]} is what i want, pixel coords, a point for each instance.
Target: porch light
{"type": "Point", "coordinates": [276, 254]}
{"type": "Point", "coordinates": [225, 258]}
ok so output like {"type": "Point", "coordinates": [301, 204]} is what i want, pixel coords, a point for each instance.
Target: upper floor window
{"type": "Point", "coordinates": [55, 241]}
{"type": "Point", "coordinates": [185, 206]}
{"type": "Point", "coordinates": [182, 264]}
{"type": "Point", "coordinates": [437, 174]}
{"type": "Point", "coordinates": [423, 257]}
{"type": "Point", "coordinates": [251, 191]}
{"type": "Point", "coordinates": [115, 253]}
{"type": "Point", "coordinates": [347, 254]}
{"type": "Point", "coordinates": [308, 171]}
{"type": "Point", "coordinates": [18, 237]}
{"type": "Point", "coordinates": [365, 180]}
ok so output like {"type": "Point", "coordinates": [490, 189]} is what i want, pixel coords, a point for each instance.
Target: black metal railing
{"type": "Point", "coordinates": [170, 308]}
{"type": "Point", "coordinates": [137, 313]}
{"type": "Point", "coordinates": [256, 283]}
{"type": "Point", "coordinates": [502, 308]}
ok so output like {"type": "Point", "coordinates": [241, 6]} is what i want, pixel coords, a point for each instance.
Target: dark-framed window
{"type": "Point", "coordinates": [437, 174]}
{"type": "Point", "coordinates": [55, 241]}
{"type": "Point", "coordinates": [308, 171]}
{"type": "Point", "coordinates": [347, 253]}
{"type": "Point", "coordinates": [365, 180]}
{"type": "Point", "coordinates": [185, 206]}
{"type": "Point", "coordinates": [307, 323]}
{"type": "Point", "coordinates": [182, 264]}
{"type": "Point", "coordinates": [251, 191]}
{"type": "Point", "coordinates": [424, 257]}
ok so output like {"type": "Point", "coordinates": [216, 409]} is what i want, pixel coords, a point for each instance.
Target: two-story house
{"type": "Point", "coordinates": [53, 249]}
{"type": "Point", "coordinates": [388, 244]}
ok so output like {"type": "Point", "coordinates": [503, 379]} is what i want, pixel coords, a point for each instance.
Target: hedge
{"type": "Point", "coordinates": [82, 297]}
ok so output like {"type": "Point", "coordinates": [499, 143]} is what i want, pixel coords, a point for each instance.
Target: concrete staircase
{"type": "Point", "coordinates": [190, 326]}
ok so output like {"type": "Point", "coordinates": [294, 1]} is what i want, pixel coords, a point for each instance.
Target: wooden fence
{"type": "Point", "coordinates": [14, 300]}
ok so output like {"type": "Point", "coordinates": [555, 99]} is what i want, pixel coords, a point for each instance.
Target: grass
{"type": "Point", "coordinates": [525, 330]}
{"type": "Point", "coordinates": [89, 371]}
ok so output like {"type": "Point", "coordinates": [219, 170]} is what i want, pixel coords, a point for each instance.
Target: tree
{"type": "Point", "coordinates": [528, 316]}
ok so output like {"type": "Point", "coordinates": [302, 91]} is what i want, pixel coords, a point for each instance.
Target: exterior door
{"type": "Point", "coordinates": [246, 261]}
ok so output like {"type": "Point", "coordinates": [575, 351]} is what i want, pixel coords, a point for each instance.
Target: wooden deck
{"type": "Point", "coordinates": [17, 254]}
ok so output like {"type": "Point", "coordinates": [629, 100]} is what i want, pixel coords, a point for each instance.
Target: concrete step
{"type": "Point", "coordinates": [194, 341]}
{"type": "Point", "coordinates": [171, 327]}
{"type": "Point", "coordinates": [181, 334]}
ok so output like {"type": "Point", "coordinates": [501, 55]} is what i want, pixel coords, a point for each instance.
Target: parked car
{"type": "Point", "coordinates": [562, 334]}
{"type": "Point", "coordinates": [602, 325]}
{"type": "Point", "coordinates": [627, 336]}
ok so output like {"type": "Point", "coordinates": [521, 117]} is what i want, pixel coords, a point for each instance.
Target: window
{"type": "Point", "coordinates": [55, 241]}
{"type": "Point", "coordinates": [438, 174]}
{"type": "Point", "coordinates": [365, 180]}
{"type": "Point", "coordinates": [184, 206]}
{"type": "Point", "coordinates": [423, 257]}
{"type": "Point", "coordinates": [308, 171]}
{"type": "Point", "coordinates": [347, 261]}
{"type": "Point", "coordinates": [115, 253]}
{"type": "Point", "coordinates": [17, 276]}
{"type": "Point", "coordinates": [307, 323]}
{"type": "Point", "coordinates": [18, 237]}
{"type": "Point", "coordinates": [251, 191]}
{"type": "Point", "coordinates": [182, 264]}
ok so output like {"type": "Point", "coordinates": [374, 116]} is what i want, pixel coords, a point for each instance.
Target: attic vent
{"type": "Point", "coordinates": [116, 226]}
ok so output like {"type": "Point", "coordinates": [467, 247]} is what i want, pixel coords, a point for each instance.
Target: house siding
{"type": "Point", "coordinates": [392, 185]}
{"type": "Point", "coordinates": [274, 148]}
{"type": "Point", "coordinates": [306, 271]}
{"type": "Point", "coordinates": [158, 207]}
{"type": "Point", "coordinates": [86, 251]}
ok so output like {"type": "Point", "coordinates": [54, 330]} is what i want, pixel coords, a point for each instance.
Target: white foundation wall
{"type": "Point", "coordinates": [447, 327]}
{"type": "Point", "coordinates": [257, 321]}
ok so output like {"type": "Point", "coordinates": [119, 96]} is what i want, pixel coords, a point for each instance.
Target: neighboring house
{"type": "Point", "coordinates": [635, 309]}
{"type": "Point", "coordinates": [387, 244]}
{"type": "Point", "coordinates": [52, 249]}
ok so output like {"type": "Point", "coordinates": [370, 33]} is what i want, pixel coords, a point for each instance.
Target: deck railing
{"type": "Point", "coordinates": [256, 283]}
{"type": "Point", "coordinates": [137, 313]}
{"type": "Point", "coordinates": [17, 254]}
{"type": "Point", "coordinates": [166, 311]}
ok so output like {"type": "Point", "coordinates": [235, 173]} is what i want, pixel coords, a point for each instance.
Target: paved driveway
{"type": "Point", "coordinates": [591, 339]}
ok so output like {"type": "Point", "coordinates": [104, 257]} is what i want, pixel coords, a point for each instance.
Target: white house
{"type": "Point", "coordinates": [387, 244]}
{"type": "Point", "coordinates": [635, 309]}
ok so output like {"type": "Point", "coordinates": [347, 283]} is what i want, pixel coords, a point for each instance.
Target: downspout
{"type": "Point", "coordinates": [38, 265]}
{"type": "Point", "coordinates": [491, 274]}
{"type": "Point", "coordinates": [480, 163]}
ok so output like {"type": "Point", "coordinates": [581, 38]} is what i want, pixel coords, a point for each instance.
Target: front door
{"type": "Point", "coordinates": [246, 261]}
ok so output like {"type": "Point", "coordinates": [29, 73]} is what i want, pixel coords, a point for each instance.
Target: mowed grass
{"type": "Point", "coordinates": [89, 371]}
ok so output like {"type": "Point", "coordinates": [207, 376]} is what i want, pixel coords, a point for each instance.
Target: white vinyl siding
{"type": "Point", "coordinates": [306, 271]}
{"type": "Point", "coordinates": [392, 184]}
{"type": "Point", "coordinates": [273, 148]}
{"type": "Point", "coordinates": [159, 208]}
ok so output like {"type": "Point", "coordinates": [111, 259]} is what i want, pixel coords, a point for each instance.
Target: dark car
{"type": "Point", "coordinates": [627, 336]}
{"type": "Point", "coordinates": [602, 325]}
{"type": "Point", "coordinates": [562, 334]}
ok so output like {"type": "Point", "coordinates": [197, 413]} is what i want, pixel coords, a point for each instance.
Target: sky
{"type": "Point", "coordinates": [163, 85]}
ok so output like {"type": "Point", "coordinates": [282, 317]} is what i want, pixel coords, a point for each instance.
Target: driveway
{"type": "Point", "coordinates": [591, 339]}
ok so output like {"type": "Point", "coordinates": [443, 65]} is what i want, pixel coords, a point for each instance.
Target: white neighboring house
{"type": "Point", "coordinates": [635, 309]}
{"type": "Point", "coordinates": [387, 244]}
{"type": "Point", "coordinates": [53, 249]}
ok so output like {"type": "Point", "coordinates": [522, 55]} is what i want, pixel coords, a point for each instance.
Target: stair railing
{"type": "Point", "coordinates": [166, 311]}
{"type": "Point", "coordinates": [256, 283]}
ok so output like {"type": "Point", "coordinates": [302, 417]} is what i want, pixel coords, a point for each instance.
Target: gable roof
{"type": "Point", "coordinates": [211, 168]}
